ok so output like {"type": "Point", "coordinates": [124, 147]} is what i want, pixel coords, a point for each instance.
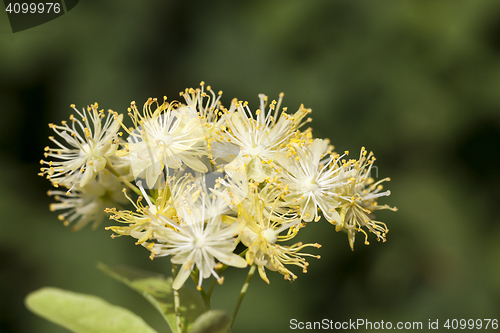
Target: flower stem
{"type": "Point", "coordinates": [212, 286]}
{"type": "Point", "coordinates": [243, 292]}
{"type": "Point", "coordinates": [123, 179]}
{"type": "Point", "coordinates": [204, 295]}
{"type": "Point", "coordinates": [177, 302]}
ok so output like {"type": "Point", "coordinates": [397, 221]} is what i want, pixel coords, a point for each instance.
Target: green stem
{"type": "Point", "coordinates": [126, 182]}
{"type": "Point", "coordinates": [177, 302]}
{"type": "Point", "coordinates": [206, 298]}
{"type": "Point", "coordinates": [212, 286]}
{"type": "Point", "coordinates": [243, 292]}
{"type": "Point", "coordinates": [123, 179]}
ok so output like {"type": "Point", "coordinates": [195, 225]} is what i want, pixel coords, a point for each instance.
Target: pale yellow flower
{"type": "Point", "coordinates": [311, 182]}
{"type": "Point", "coordinates": [200, 238]}
{"type": "Point", "coordinates": [259, 137]}
{"type": "Point", "coordinates": [359, 196]}
{"type": "Point", "coordinates": [207, 104]}
{"type": "Point", "coordinates": [168, 137]}
{"type": "Point", "coordinates": [86, 204]}
{"type": "Point", "coordinates": [262, 236]}
{"type": "Point", "coordinates": [142, 222]}
{"type": "Point", "coordinates": [87, 144]}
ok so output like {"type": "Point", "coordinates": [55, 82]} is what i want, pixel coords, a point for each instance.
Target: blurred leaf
{"type": "Point", "coordinates": [84, 313]}
{"type": "Point", "coordinates": [216, 321]}
{"type": "Point", "coordinates": [157, 289]}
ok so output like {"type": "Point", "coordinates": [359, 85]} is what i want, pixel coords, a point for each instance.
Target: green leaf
{"type": "Point", "coordinates": [84, 313]}
{"type": "Point", "coordinates": [216, 321]}
{"type": "Point", "coordinates": [157, 289]}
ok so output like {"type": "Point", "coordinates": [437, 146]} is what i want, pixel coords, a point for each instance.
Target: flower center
{"type": "Point", "coordinates": [255, 150]}
{"type": "Point", "coordinates": [269, 235]}
{"type": "Point", "coordinates": [86, 150]}
{"type": "Point", "coordinates": [165, 140]}
{"type": "Point", "coordinates": [199, 242]}
{"type": "Point", "coordinates": [311, 184]}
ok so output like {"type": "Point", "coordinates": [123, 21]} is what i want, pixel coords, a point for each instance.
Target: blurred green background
{"type": "Point", "coordinates": [417, 82]}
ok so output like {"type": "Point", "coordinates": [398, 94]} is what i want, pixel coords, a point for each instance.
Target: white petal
{"type": "Point", "coordinates": [99, 163]}
{"type": "Point", "coordinates": [284, 161]}
{"type": "Point", "coordinates": [194, 163]}
{"type": "Point", "coordinates": [229, 259]}
{"type": "Point", "coordinates": [183, 274]}
{"type": "Point", "coordinates": [334, 216]}
{"type": "Point", "coordinates": [309, 211]}
{"type": "Point", "coordinates": [88, 175]}
{"type": "Point", "coordinates": [318, 147]}
{"type": "Point", "coordinates": [237, 121]}
{"type": "Point", "coordinates": [152, 173]}
{"type": "Point", "coordinates": [262, 274]}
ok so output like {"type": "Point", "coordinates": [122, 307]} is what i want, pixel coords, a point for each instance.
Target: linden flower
{"type": "Point", "coordinates": [261, 235]}
{"type": "Point", "coordinates": [90, 143]}
{"type": "Point", "coordinates": [261, 137]}
{"type": "Point", "coordinates": [165, 138]}
{"type": "Point", "coordinates": [87, 204]}
{"type": "Point", "coordinates": [207, 104]}
{"type": "Point", "coordinates": [198, 240]}
{"type": "Point", "coordinates": [142, 223]}
{"type": "Point", "coordinates": [360, 196]}
{"type": "Point", "coordinates": [219, 201]}
{"type": "Point", "coordinates": [209, 109]}
{"type": "Point", "coordinates": [310, 181]}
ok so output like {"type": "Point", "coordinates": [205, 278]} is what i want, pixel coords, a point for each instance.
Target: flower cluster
{"type": "Point", "coordinates": [83, 151]}
{"type": "Point", "coordinates": [216, 186]}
